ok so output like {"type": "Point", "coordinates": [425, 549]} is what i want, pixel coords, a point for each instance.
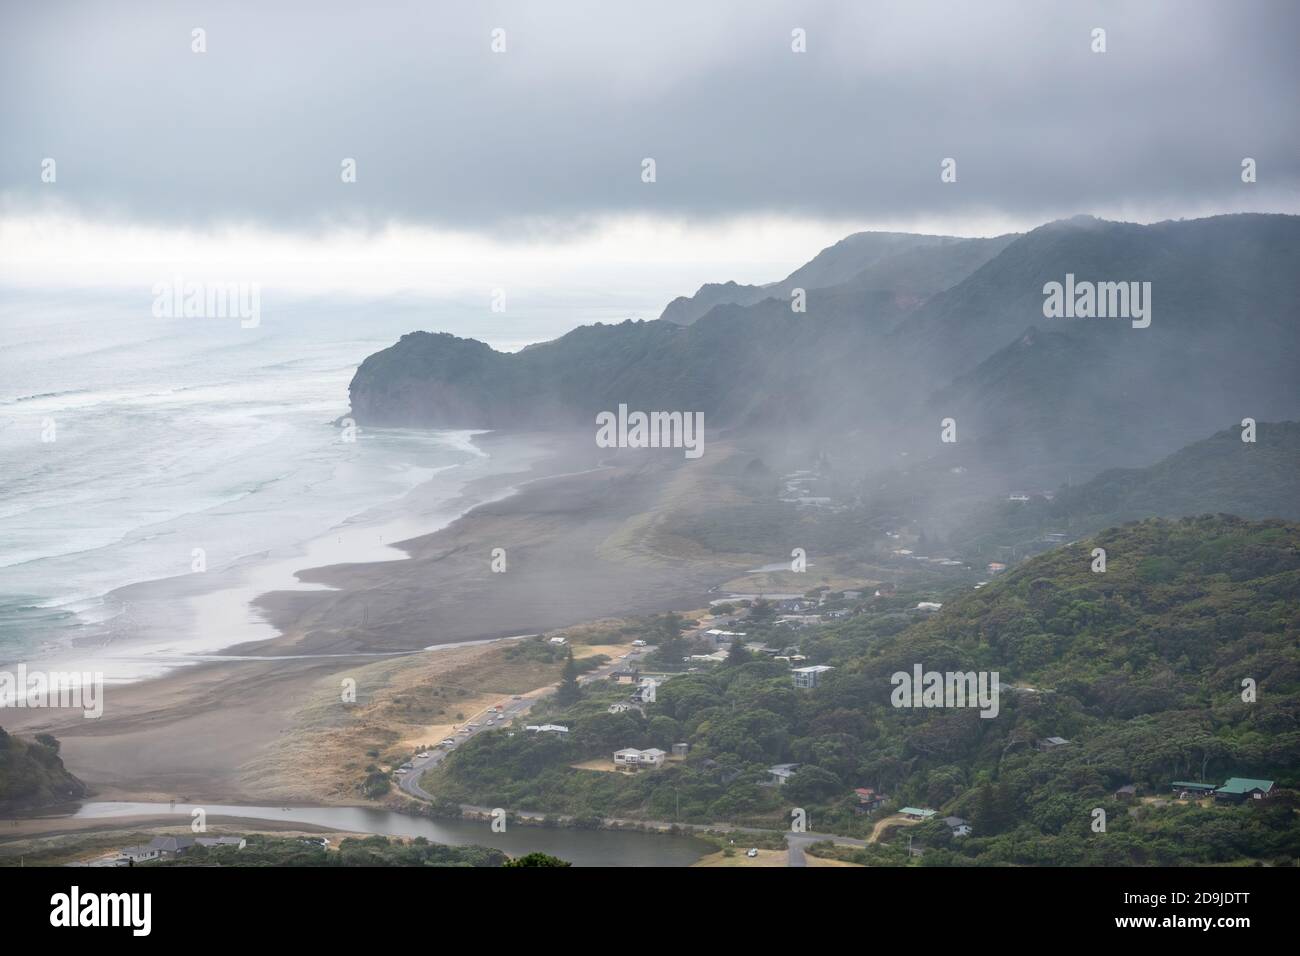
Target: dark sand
{"type": "Point", "coordinates": [575, 549]}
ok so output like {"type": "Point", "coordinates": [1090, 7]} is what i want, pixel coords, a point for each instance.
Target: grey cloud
{"type": "Point", "coordinates": [447, 133]}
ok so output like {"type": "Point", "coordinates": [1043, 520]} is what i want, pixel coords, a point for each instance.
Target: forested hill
{"type": "Point", "coordinates": [1143, 669]}
{"type": "Point", "coordinates": [32, 774]}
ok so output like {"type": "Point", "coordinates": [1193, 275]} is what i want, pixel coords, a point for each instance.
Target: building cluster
{"type": "Point", "coordinates": [171, 847]}
{"type": "Point", "coordinates": [1235, 790]}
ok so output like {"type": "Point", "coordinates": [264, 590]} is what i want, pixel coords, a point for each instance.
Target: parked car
{"type": "Point", "coordinates": [752, 851]}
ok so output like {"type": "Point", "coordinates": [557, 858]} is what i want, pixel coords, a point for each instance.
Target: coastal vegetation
{"type": "Point", "coordinates": [262, 850]}
{"type": "Point", "coordinates": [32, 774]}
{"type": "Point", "coordinates": [1142, 669]}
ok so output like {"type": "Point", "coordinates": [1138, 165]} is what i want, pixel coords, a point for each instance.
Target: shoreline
{"type": "Point", "coordinates": [217, 611]}
{"type": "Point", "coordinates": [230, 728]}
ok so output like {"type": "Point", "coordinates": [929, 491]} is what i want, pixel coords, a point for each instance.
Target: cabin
{"type": "Point", "coordinates": [917, 813]}
{"type": "Point", "coordinates": [1048, 744]}
{"type": "Point", "coordinates": [623, 677]}
{"type": "Point", "coordinates": [681, 750]}
{"type": "Point", "coordinates": [868, 799]}
{"type": "Point", "coordinates": [1241, 789]}
{"type": "Point", "coordinates": [1127, 793]}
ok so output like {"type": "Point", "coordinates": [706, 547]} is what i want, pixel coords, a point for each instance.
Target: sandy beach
{"type": "Point", "coordinates": [255, 723]}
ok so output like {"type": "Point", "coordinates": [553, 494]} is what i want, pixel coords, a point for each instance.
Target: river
{"type": "Point", "coordinates": [579, 847]}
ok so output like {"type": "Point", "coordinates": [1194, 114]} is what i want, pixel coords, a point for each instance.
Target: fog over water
{"type": "Point", "coordinates": [171, 435]}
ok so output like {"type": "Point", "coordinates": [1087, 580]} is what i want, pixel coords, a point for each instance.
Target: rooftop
{"type": "Point", "coordinates": [1245, 785]}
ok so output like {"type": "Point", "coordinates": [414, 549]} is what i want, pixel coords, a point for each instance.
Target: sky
{"type": "Point", "coordinates": [524, 167]}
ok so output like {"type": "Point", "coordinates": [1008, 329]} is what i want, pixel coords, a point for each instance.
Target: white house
{"type": "Point", "coordinates": [635, 759]}
{"type": "Point", "coordinates": [781, 773]}
{"type": "Point", "coordinates": [928, 606]}
{"type": "Point", "coordinates": [557, 641]}
{"type": "Point", "coordinates": [716, 657]}
{"type": "Point", "coordinates": [716, 632]}
{"type": "Point", "coordinates": [808, 677]}
{"type": "Point", "coordinates": [958, 826]}
{"type": "Point", "coordinates": [546, 729]}
{"type": "Point", "coordinates": [172, 847]}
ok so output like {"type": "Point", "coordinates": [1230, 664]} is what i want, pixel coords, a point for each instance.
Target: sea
{"type": "Point", "coordinates": [137, 449]}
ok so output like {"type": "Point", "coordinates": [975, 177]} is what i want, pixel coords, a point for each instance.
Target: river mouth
{"type": "Point", "coordinates": [579, 847]}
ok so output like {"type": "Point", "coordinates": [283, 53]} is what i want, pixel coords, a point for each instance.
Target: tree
{"type": "Point", "coordinates": [537, 859]}
{"type": "Point", "coordinates": [813, 785]}
{"type": "Point", "coordinates": [737, 655]}
{"type": "Point", "coordinates": [570, 692]}
{"type": "Point", "coordinates": [672, 648]}
{"type": "Point", "coordinates": [375, 785]}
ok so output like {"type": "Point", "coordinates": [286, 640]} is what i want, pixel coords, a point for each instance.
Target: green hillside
{"type": "Point", "coordinates": [1139, 668]}
{"type": "Point", "coordinates": [32, 775]}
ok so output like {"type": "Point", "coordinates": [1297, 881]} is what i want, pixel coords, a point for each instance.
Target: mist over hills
{"type": "Point", "coordinates": [909, 330]}
{"type": "Point", "coordinates": [1217, 475]}
{"type": "Point", "coordinates": [912, 267]}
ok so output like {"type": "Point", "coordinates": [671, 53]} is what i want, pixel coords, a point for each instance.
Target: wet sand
{"type": "Point", "coordinates": [575, 549]}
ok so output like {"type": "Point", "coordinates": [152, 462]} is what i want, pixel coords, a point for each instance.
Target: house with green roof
{"type": "Point", "coordinates": [1240, 789]}
{"type": "Point", "coordinates": [917, 813]}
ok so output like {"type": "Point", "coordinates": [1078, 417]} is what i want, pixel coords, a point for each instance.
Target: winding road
{"type": "Point", "coordinates": [510, 710]}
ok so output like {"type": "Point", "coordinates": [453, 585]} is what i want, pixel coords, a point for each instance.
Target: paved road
{"type": "Point", "coordinates": [798, 842]}
{"type": "Point", "coordinates": [510, 710]}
